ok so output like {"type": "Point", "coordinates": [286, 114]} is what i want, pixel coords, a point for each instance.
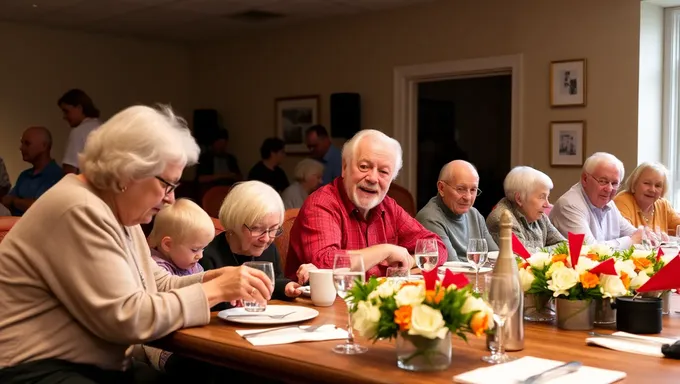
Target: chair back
{"type": "Point", "coordinates": [218, 226]}
{"type": "Point", "coordinates": [6, 223]}
{"type": "Point", "coordinates": [213, 198]}
{"type": "Point", "coordinates": [403, 197]}
{"type": "Point", "coordinates": [282, 241]}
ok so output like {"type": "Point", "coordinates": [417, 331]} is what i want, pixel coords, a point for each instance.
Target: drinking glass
{"type": "Point", "coordinates": [268, 268]}
{"type": "Point", "coordinates": [348, 269]}
{"type": "Point", "coordinates": [427, 254]}
{"type": "Point", "coordinates": [502, 293]}
{"type": "Point", "coordinates": [398, 273]}
{"type": "Point", "coordinates": [477, 251]}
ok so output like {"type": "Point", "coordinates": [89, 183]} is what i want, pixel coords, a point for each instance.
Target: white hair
{"type": "Point", "coordinates": [523, 181]}
{"type": "Point", "coordinates": [307, 167]}
{"type": "Point", "coordinates": [629, 185]}
{"type": "Point", "coordinates": [351, 146]}
{"type": "Point", "coordinates": [136, 143]}
{"type": "Point", "coordinates": [602, 158]}
{"type": "Point", "coordinates": [248, 203]}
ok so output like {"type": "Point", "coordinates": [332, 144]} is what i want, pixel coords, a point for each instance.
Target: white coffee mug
{"type": "Point", "coordinates": [322, 287]}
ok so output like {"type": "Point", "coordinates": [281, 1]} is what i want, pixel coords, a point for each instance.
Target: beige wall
{"type": "Point", "coordinates": [38, 65]}
{"type": "Point", "coordinates": [242, 76]}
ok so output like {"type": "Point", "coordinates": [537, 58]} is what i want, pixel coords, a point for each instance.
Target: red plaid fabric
{"type": "Point", "coordinates": [328, 221]}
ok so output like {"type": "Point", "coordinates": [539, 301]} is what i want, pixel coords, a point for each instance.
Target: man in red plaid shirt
{"type": "Point", "coordinates": [354, 213]}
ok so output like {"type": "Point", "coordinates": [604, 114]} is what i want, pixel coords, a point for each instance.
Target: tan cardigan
{"type": "Point", "coordinates": [665, 217]}
{"type": "Point", "coordinates": [69, 287]}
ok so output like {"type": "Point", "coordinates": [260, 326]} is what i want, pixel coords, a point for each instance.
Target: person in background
{"type": "Point", "coordinates": [267, 170]}
{"type": "Point", "coordinates": [526, 198]}
{"type": "Point", "coordinates": [450, 213]}
{"type": "Point", "coordinates": [36, 144]}
{"type": "Point", "coordinates": [217, 166]}
{"type": "Point", "coordinates": [321, 149]}
{"type": "Point", "coordinates": [308, 176]}
{"type": "Point", "coordinates": [642, 203]}
{"type": "Point", "coordinates": [354, 213]}
{"type": "Point", "coordinates": [81, 114]}
{"type": "Point", "coordinates": [587, 207]}
{"type": "Point", "coordinates": [252, 215]}
{"type": "Point", "coordinates": [5, 183]}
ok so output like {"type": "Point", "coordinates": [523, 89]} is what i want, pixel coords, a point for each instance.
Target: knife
{"type": "Point", "coordinates": [628, 338]}
{"type": "Point", "coordinates": [552, 373]}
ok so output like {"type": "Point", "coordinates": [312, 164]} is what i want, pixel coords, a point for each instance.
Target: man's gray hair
{"type": "Point", "coordinates": [350, 147]}
{"type": "Point", "coordinates": [601, 158]}
{"type": "Point", "coordinates": [524, 181]}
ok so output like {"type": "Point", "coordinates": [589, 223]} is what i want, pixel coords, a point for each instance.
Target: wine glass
{"type": "Point", "coordinates": [502, 293]}
{"type": "Point", "coordinates": [477, 251]}
{"type": "Point", "coordinates": [268, 268]}
{"type": "Point", "coordinates": [427, 254]}
{"type": "Point", "coordinates": [348, 269]}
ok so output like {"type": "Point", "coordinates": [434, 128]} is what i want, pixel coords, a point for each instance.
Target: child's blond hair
{"type": "Point", "coordinates": [180, 221]}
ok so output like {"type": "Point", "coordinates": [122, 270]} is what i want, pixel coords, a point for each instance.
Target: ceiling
{"type": "Point", "coordinates": [182, 20]}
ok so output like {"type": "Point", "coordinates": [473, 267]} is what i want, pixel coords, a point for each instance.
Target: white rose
{"type": "Point", "coordinates": [539, 260]}
{"type": "Point", "coordinates": [563, 279]}
{"type": "Point", "coordinates": [639, 280]}
{"type": "Point", "coordinates": [384, 290]}
{"type": "Point", "coordinates": [553, 268]}
{"type": "Point", "coordinates": [601, 249]}
{"type": "Point", "coordinates": [640, 254]}
{"type": "Point", "coordinates": [585, 264]}
{"type": "Point", "coordinates": [525, 279]}
{"type": "Point", "coordinates": [627, 266]}
{"type": "Point", "coordinates": [612, 286]}
{"type": "Point", "coordinates": [474, 304]}
{"type": "Point", "coordinates": [410, 295]}
{"type": "Point", "coordinates": [427, 322]}
{"type": "Point", "coordinates": [365, 319]}
{"type": "Point", "coordinates": [585, 249]}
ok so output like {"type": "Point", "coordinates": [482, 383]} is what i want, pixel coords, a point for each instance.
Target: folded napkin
{"type": "Point", "coordinates": [631, 346]}
{"type": "Point", "coordinates": [294, 334]}
{"type": "Point", "coordinates": [521, 369]}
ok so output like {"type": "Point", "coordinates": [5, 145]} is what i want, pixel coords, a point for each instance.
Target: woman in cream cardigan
{"type": "Point", "coordinates": [641, 200]}
{"type": "Point", "coordinates": [79, 287]}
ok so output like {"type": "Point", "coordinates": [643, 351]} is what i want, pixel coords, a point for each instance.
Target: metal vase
{"type": "Point", "coordinates": [575, 315]}
{"type": "Point", "coordinates": [605, 314]}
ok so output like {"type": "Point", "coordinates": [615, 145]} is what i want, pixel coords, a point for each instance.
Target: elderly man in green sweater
{"type": "Point", "coordinates": [450, 214]}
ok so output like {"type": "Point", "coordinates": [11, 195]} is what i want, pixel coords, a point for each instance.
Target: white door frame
{"type": "Point", "coordinates": [405, 112]}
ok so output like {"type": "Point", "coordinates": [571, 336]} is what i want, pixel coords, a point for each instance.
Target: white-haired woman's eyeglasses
{"type": "Point", "coordinates": [257, 232]}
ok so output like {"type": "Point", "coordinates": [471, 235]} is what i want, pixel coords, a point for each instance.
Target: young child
{"type": "Point", "coordinates": [180, 232]}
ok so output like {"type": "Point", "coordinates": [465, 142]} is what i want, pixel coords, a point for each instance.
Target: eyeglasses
{"type": "Point", "coordinates": [604, 182]}
{"type": "Point", "coordinates": [474, 191]}
{"type": "Point", "coordinates": [169, 187]}
{"type": "Point", "coordinates": [256, 232]}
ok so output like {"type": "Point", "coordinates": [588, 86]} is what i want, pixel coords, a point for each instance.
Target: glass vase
{"type": "Point", "coordinates": [420, 354]}
{"type": "Point", "coordinates": [538, 307]}
{"type": "Point", "coordinates": [604, 313]}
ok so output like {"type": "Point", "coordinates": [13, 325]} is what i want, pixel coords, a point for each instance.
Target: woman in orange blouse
{"type": "Point", "coordinates": [641, 200]}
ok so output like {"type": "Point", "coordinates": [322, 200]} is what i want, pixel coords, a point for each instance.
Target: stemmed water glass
{"type": "Point", "coordinates": [348, 269]}
{"type": "Point", "coordinates": [502, 293]}
{"type": "Point", "coordinates": [477, 251]}
{"type": "Point", "coordinates": [426, 254]}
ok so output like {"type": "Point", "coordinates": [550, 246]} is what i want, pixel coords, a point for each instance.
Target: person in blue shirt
{"type": "Point", "coordinates": [36, 144]}
{"type": "Point", "coordinates": [321, 149]}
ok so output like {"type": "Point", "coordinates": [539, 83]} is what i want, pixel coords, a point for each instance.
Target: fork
{"type": "Point", "coordinates": [310, 329]}
{"type": "Point", "coordinates": [276, 317]}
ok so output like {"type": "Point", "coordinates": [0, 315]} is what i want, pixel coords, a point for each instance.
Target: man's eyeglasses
{"type": "Point", "coordinates": [169, 187]}
{"type": "Point", "coordinates": [462, 190]}
{"type": "Point", "coordinates": [604, 182]}
{"type": "Point", "coordinates": [256, 232]}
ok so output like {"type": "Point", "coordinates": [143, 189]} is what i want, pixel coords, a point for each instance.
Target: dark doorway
{"type": "Point", "coordinates": [469, 119]}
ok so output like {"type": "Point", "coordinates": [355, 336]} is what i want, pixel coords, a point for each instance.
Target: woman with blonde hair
{"type": "Point", "coordinates": [641, 201]}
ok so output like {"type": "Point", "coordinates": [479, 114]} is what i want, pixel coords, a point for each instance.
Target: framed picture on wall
{"type": "Point", "coordinates": [293, 115]}
{"type": "Point", "coordinates": [567, 143]}
{"type": "Point", "coordinates": [568, 83]}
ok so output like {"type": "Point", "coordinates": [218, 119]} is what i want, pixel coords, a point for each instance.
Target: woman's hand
{"type": "Point", "coordinates": [292, 289]}
{"type": "Point", "coordinates": [303, 272]}
{"type": "Point", "coordinates": [234, 283]}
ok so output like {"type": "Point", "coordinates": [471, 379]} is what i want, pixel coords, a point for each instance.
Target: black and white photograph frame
{"type": "Point", "coordinates": [568, 86]}
{"type": "Point", "coordinates": [293, 115]}
{"type": "Point", "coordinates": [567, 143]}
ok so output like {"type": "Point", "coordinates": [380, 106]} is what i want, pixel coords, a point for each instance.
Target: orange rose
{"type": "Point", "coordinates": [625, 279]}
{"type": "Point", "coordinates": [434, 295]}
{"type": "Point", "coordinates": [480, 323]}
{"type": "Point", "coordinates": [402, 317]}
{"type": "Point", "coordinates": [524, 265]}
{"type": "Point", "coordinates": [641, 263]}
{"type": "Point", "coordinates": [593, 256]}
{"type": "Point", "coordinates": [589, 280]}
{"type": "Point", "coordinates": [561, 257]}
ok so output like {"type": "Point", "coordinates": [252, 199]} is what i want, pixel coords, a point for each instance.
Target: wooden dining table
{"type": "Point", "coordinates": [315, 362]}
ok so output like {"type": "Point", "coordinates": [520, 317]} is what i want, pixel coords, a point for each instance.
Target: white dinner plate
{"type": "Point", "coordinates": [299, 314]}
{"type": "Point", "coordinates": [462, 266]}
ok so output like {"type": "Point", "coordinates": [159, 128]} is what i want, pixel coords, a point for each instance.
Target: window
{"type": "Point", "coordinates": [671, 102]}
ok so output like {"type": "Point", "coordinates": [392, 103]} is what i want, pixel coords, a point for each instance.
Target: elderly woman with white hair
{"type": "Point", "coordinates": [79, 287]}
{"type": "Point", "coordinates": [526, 197]}
{"type": "Point", "coordinates": [252, 217]}
{"type": "Point", "coordinates": [641, 200]}
{"type": "Point", "coordinates": [308, 176]}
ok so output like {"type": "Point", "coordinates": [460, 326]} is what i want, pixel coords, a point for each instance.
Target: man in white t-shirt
{"type": "Point", "coordinates": [81, 115]}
